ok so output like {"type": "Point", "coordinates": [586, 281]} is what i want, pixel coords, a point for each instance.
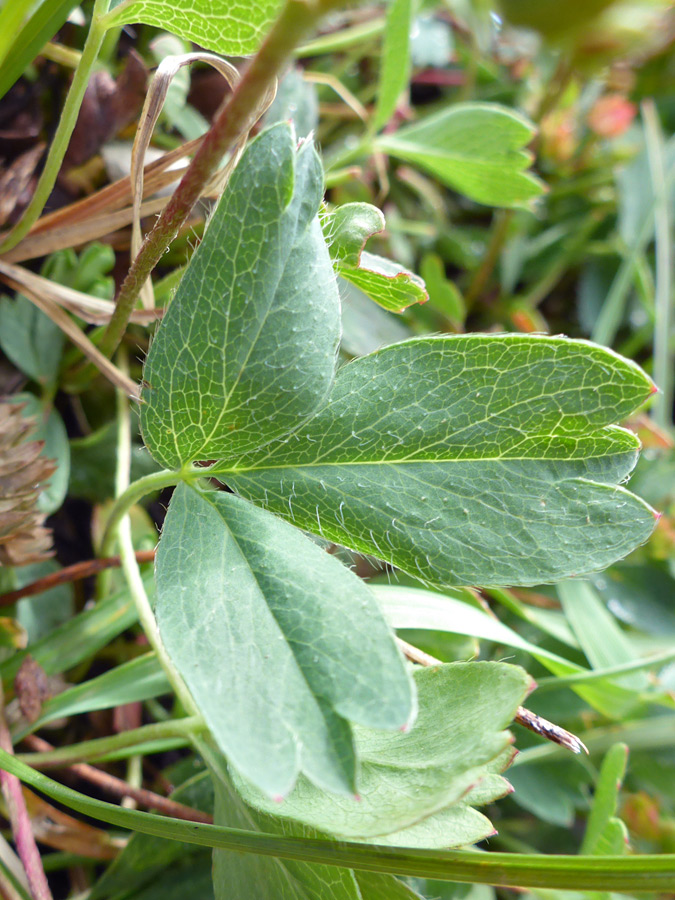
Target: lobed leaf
{"type": "Point", "coordinates": [414, 787]}
{"type": "Point", "coordinates": [347, 229]}
{"type": "Point", "coordinates": [387, 283]}
{"type": "Point", "coordinates": [247, 348]}
{"type": "Point", "coordinates": [474, 148]}
{"type": "Point", "coordinates": [261, 624]}
{"type": "Point", "coordinates": [471, 459]}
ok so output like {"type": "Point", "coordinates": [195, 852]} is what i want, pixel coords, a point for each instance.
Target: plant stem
{"type": "Point", "coordinates": [68, 574]}
{"type": "Point", "coordinates": [609, 320]}
{"type": "Point", "coordinates": [135, 492]}
{"type": "Point", "coordinates": [663, 326]}
{"type": "Point", "coordinates": [296, 20]}
{"type": "Point", "coordinates": [648, 872]}
{"type": "Point", "coordinates": [121, 789]}
{"type": "Point", "coordinates": [643, 734]}
{"type": "Point", "coordinates": [103, 748]}
{"type": "Point", "coordinates": [64, 130]}
{"type": "Point", "coordinates": [20, 820]}
{"type": "Point", "coordinates": [130, 567]}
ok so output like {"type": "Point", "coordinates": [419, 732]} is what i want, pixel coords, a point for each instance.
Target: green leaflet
{"type": "Point", "coordinates": [347, 229]}
{"type": "Point", "coordinates": [260, 622]}
{"type": "Point", "coordinates": [238, 876]}
{"type": "Point", "coordinates": [475, 148]}
{"type": "Point", "coordinates": [246, 350]}
{"type": "Point", "coordinates": [387, 283]}
{"type": "Point", "coordinates": [415, 788]}
{"type": "Point", "coordinates": [474, 459]}
{"type": "Point", "coordinates": [234, 28]}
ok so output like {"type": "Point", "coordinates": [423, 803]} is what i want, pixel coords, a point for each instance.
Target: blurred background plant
{"type": "Point", "coordinates": [591, 257]}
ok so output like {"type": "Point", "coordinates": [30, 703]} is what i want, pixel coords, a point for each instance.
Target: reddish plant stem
{"type": "Point", "coordinates": [116, 787]}
{"type": "Point", "coordinates": [76, 572]}
{"type": "Point", "coordinates": [20, 820]}
{"type": "Point", "coordinates": [296, 20]}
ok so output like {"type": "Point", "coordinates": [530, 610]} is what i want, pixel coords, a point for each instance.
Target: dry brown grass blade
{"type": "Point", "coordinates": [93, 310]}
{"type": "Point", "coordinates": [152, 108]}
{"type": "Point", "coordinates": [57, 829]}
{"type": "Point", "coordinates": [102, 212]}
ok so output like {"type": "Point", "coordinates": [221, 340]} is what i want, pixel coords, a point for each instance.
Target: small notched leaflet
{"type": "Point", "coordinates": [523, 716]}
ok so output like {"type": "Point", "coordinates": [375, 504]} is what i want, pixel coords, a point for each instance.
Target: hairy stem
{"type": "Point", "coordinates": [130, 566]}
{"type": "Point", "coordinates": [296, 20]}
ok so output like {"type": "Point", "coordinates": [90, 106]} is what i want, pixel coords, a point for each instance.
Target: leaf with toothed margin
{"type": "Point", "coordinates": [387, 283]}
{"type": "Point", "coordinates": [467, 459]}
{"type": "Point", "coordinates": [243, 876]}
{"type": "Point", "coordinates": [475, 148]}
{"type": "Point", "coordinates": [416, 788]}
{"type": "Point", "coordinates": [260, 623]}
{"type": "Point", "coordinates": [247, 348]}
{"type": "Point", "coordinates": [347, 229]}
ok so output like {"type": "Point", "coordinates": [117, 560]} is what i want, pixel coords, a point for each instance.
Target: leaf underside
{"type": "Point", "coordinates": [260, 622]}
{"type": "Point", "coordinates": [416, 789]}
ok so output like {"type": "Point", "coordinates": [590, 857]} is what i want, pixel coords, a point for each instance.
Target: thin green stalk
{"type": "Point", "coordinates": [561, 263]}
{"type": "Point", "coordinates": [649, 872]}
{"type": "Point", "coordinates": [553, 682]}
{"type": "Point", "coordinates": [102, 748]}
{"type": "Point", "coordinates": [130, 566]}
{"type": "Point", "coordinates": [64, 130]}
{"type": "Point", "coordinates": [663, 326]}
{"type": "Point", "coordinates": [341, 40]}
{"type": "Point", "coordinates": [135, 492]}
{"type": "Point", "coordinates": [296, 20]}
